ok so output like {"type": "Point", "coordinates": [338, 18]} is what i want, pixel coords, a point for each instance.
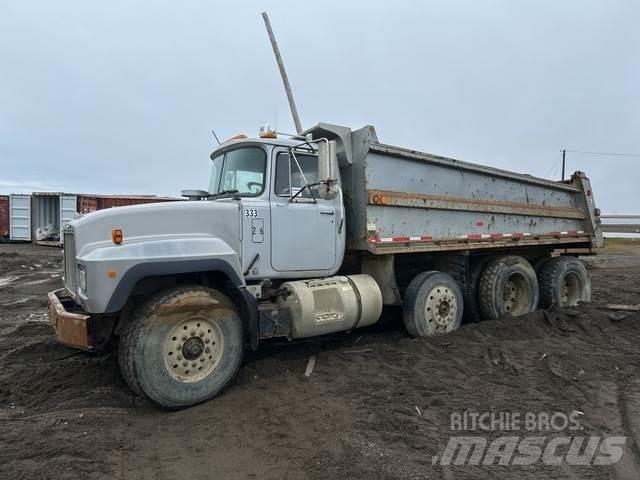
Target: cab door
{"type": "Point", "coordinates": [303, 226]}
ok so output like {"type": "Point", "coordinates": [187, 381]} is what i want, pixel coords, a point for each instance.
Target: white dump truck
{"type": "Point", "coordinates": [310, 235]}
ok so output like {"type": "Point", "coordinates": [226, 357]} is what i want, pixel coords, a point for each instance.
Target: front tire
{"type": "Point", "coordinates": [432, 305]}
{"type": "Point", "coordinates": [182, 346]}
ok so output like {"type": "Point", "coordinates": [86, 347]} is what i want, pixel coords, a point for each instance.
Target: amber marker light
{"type": "Point", "coordinates": [237, 136]}
{"type": "Point", "coordinates": [384, 199]}
{"type": "Point", "coordinates": [116, 236]}
{"type": "Point", "coordinates": [112, 274]}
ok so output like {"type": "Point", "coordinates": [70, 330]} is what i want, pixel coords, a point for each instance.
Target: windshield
{"type": "Point", "coordinates": [241, 170]}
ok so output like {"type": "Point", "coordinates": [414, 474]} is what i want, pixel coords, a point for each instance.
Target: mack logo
{"type": "Point", "coordinates": [328, 317]}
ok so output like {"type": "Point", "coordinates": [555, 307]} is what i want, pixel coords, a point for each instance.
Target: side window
{"type": "Point", "coordinates": [286, 168]}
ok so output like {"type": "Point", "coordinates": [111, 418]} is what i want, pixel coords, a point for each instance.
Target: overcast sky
{"type": "Point", "coordinates": [119, 97]}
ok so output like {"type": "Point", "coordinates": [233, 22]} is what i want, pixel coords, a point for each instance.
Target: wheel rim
{"type": "Point", "coordinates": [441, 308]}
{"type": "Point", "coordinates": [515, 294]}
{"type": "Point", "coordinates": [193, 349]}
{"type": "Point", "coordinates": [570, 290]}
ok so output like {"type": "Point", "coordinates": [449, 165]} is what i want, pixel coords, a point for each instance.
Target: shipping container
{"type": "Point", "coordinates": [87, 204]}
{"type": "Point", "coordinates": [110, 201]}
{"type": "Point", "coordinates": [52, 211]}
{"type": "Point", "coordinates": [20, 217]}
{"type": "Point", "coordinates": [4, 216]}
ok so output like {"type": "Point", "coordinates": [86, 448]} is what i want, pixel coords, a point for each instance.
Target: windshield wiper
{"type": "Point", "coordinates": [223, 192]}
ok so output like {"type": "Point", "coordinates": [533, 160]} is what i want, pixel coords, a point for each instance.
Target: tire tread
{"type": "Point", "coordinates": [486, 287]}
{"type": "Point", "coordinates": [550, 274]}
{"type": "Point", "coordinates": [488, 283]}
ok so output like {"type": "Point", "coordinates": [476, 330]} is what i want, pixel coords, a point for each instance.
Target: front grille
{"type": "Point", "coordinates": [70, 263]}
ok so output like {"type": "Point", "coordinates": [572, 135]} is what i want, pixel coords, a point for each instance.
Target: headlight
{"type": "Point", "coordinates": [82, 278]}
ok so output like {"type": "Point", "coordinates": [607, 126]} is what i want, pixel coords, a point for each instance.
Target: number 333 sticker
{"type": "Point", "coordinates": [250, 212]}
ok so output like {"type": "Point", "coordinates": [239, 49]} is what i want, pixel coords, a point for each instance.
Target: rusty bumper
{"type": "Point", "coordinates": [69, 320]}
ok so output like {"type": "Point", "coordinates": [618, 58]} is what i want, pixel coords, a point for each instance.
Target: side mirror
{"type": "Point", "coordinates": [194, 194]}
{"type": "Point", "coordinates": [327, 169]}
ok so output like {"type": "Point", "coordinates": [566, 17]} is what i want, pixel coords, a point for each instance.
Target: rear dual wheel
{"type": "Point", "coordinates": [564, 281]}
{"type": "Point", "coordinates": [497, 287]}
{"type": "Point", "coordinates": [508, 285]}
{"type": "Point", "coordinates": [432, 305]}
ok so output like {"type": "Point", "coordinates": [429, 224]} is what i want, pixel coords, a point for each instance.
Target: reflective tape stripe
{"type": "Point", "coordinates": [472, 236]}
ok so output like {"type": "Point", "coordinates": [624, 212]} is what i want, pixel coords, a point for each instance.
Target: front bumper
{"type": "Point", "coordinates": [70, 322]}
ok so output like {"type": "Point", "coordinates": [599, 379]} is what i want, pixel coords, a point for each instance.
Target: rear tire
{"type": "Point", "coordinates": [182, 346]}
{"type": "Point", "coordinates": [564, 281]}
{"type": "Point", "coordinates": [432, 305]}
{"type": "Point", "coordinates": [472, 312]}
{"type": "Point", "coordinates": [508, 285]}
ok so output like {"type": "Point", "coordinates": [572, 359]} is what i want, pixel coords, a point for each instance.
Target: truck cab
{"type": "Point", "coordinates": [287, 229]}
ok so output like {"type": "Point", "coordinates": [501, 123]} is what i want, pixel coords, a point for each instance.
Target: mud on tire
{"type": "Point", "coordinates": [182, 346]}
{"type": "Point", "coordinates": [564, 281]}
{"type": "Point", "coordinates": [508, 285]}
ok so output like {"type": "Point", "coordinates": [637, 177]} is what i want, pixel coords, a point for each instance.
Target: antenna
{"type": "Point", "coordinates": [215, 136]}
{"type": "Point", "coordinates": [283, 73]}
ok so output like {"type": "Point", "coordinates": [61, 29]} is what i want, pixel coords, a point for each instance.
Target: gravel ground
{"type": "Point", "coordinates": [381, 412]}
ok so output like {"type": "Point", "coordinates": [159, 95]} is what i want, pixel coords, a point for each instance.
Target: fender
{"type": "Point", "coordinates": [159, 257]}
{"type": "Point", "coordinates": [113, 270]}
{"type": "Point", "coordinates": [245, 300]}
{"type": "Point", "coordinates": [166, 267]}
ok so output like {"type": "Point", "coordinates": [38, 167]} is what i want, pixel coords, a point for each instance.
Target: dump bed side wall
{"type": "Point", "coordinates": [415, 199]}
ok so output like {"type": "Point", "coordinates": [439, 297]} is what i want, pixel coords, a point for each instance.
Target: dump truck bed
{"type": "Point", "coordinates": [401, 200]}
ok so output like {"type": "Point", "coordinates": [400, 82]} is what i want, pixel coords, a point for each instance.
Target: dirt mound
{"type": "Point", "coordinates": [377, 405]}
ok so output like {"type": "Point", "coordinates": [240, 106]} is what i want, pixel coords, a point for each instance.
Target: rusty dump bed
{"type": "Point", "coordinates": [401, 200]}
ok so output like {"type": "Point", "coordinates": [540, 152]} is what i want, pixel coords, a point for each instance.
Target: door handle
{"type": "Point", "coordinates": [327, 212]}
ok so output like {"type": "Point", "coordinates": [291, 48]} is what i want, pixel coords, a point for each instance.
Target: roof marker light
{"type": "Point", "coordinates": [267, 132]}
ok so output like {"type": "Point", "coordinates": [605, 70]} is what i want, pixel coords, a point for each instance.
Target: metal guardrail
{"type": "Point", "coordinates": [620, 228]}
{"type": "Point", "coordinates": [621, 224]}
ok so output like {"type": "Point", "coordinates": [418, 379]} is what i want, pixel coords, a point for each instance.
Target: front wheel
{"type": "Point", "coordinates": [182, 346]}
{"type": "Point", "coordinates": [432, 305]}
